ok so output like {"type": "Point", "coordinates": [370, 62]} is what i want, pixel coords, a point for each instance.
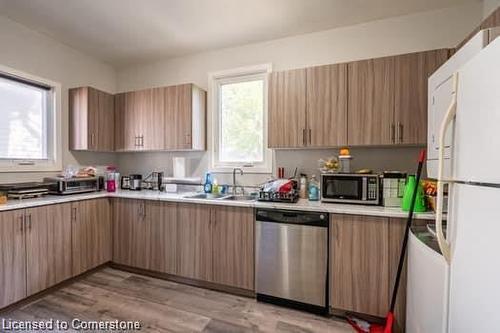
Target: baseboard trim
{"type": "Point", "coordinates": [184, 280]}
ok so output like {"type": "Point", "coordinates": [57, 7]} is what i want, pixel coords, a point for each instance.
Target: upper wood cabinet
{"type": "Point", "coordinates": [140, 120]}
{"type": "Point", "coordinates": [12, 257]}
{"type": "Point", "coordinates": [388, 98]}
{"type": "Point", "coordinates": [91, 117]}
{"type": "Point", "coordinates": [48, 246]}
{"type": "Point", "coordinates": [410, 108]}
{"type": "Point", "coordinates": [371, 102]}
{"type": "Point", "coordinates": [308, 107]}
{"type": "Point", "coordinates": [91, 234]}
{"type": "Point", "coordinates": [165, 118]}
{"type": "Point", "coordinates": [185, 117]}
{"type": "Point", "coordinates": [493, 20]}
{"type": "Point", "coordinates": [287, 109]}
{"type": "Point", "coordinates": [327, 106]}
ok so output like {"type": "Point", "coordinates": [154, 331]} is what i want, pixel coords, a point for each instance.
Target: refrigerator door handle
{"type": "Point", "coordinates": [444, 245]}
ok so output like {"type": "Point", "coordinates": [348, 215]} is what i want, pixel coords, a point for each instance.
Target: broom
{"type": "Point", "coordinates": [362, 326]}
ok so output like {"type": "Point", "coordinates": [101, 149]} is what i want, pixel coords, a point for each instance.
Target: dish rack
{"type": "Point", "coordinates": [287, 197]}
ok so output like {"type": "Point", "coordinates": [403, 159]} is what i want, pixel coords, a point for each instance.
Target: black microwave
{"type": "Point", "coordinates": [351, 188]}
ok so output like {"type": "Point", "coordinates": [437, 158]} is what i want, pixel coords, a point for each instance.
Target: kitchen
{"type": "Point", "coordinates": [188, 139]}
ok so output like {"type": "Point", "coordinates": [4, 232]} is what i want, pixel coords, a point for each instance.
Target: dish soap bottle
{"type": "Point", "coordinates": [313, 192]}
{"type": "Point", "coordinates": [207, 187]}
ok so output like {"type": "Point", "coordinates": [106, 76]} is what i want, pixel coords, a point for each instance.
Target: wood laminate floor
{"type": "Point", "coordinates": [164, 306]}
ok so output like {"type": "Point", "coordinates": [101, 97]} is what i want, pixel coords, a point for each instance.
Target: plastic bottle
{"type": "Point", "coordinates": [313, 192]}
{"type": "Point", "coordinates": [207, 187]}
{"type": "Point", "coordinates": [408, 193]}
{"type": "Point", "coordinates": [303, 186]}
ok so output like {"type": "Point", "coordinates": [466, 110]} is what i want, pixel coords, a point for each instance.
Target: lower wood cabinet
{"type": "Point", "coordinates": [364, 260]}
{"type": "Point", "coordinates": [195, 241]}
{"type": "Point", "coordinates": [145, 235]}
{"type": "Point", "coordinates": [91, 234]}
{"type": "Point", "coordinates": [48, 246]}
{"type": "Point", "coordinates": [130, 233]}
{"type": "Point", "coordinates": [233, 246]}
{"type": "Point", "coordinates": [359, 264]}
{"type": "Point", "coordinates": [162, 217]}
{"type": "Point", "coordinates": [194, 257]}
{"type": "Point", "coordinates": [12, 257]}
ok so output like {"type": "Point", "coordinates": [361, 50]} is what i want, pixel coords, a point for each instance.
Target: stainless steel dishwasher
{"type": "Point", "coordinates": [292, 259]}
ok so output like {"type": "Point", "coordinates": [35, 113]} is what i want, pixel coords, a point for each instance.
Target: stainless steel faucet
{"type": "Point", "coordinates": [235, 187]}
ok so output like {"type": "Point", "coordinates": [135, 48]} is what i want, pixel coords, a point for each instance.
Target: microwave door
{"type": "Point", "coordinates": [345, 188]}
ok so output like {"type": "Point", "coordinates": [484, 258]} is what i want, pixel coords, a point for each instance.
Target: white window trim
{"type": "Point", "coordinates": [55, 142]}
{"type": "Point", "coordinates": [213, 126]}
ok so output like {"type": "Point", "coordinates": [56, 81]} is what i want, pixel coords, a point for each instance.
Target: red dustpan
{"type": "Point", "coordinates": [363, 326]}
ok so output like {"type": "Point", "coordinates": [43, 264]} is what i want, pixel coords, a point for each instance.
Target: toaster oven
{"type": "Point", "coordinates": [63, 186]}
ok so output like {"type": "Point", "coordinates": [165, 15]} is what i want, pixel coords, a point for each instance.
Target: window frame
{"type": "Point", "coordinates": [234, 76]}
{"type": "Point", "coordinates": [52, 133]}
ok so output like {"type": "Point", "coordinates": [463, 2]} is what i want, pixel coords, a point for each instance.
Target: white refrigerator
{"type": "Point", "coordinates": [458, 288]}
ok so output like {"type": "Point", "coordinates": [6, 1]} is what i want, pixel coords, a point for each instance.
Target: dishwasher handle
{"type": "Point", "coordinates": [293, 217]}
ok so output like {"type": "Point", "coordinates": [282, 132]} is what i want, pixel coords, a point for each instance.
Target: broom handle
{"type": "Point", "coordinates": [407, 231]}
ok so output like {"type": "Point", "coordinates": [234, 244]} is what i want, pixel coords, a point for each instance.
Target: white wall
{"type": "Point", "coordinates": [34, 53]}
{"type": "Point", "coordinates": [489, 6]}
{"type": "Point", "coordinates": [412, 33]}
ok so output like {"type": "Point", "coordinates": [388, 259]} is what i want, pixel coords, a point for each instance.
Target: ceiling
{"type": "Point", "coordinates": [122, 32]}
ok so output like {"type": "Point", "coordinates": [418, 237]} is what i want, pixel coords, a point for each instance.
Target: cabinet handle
{"type": "Point", "coordinates": [29, 222]}
{"type": "Point", "coordinates": [188, 139]}
{"type": "Point", "coordinates": [92, 139]}
{"type": "Point", "coordinates": [141, 140]}
{"type": "Point", "coordinates": [310, 136]}
{"type": "Point", "coordinates": [73, 214]}
{"type": "Point", "coordinates": [401, 128]}
{"type": "Point", "coordinates": [393, 133]}
{"type": "Point", "coordinates": [136, 141]}
{"type": "Point", "coordinates": [304, 139]}
{"type": "Point", "coordinates": [21, 219]}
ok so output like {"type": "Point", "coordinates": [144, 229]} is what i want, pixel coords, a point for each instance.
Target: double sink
{"type": "Point", "coordinates": [232, 197]}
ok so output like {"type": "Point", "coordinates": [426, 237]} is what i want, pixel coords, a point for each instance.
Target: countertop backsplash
{"type": "Point", "coordinates": [306, 160]}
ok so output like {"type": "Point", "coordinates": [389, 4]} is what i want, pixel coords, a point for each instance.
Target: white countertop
{"type": "Point", "coordinates": [303, 205]}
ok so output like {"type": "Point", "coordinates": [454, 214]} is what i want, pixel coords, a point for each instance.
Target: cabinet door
{"type": "Point", "coordinates": [287, 109]}
{"type": "Point", "coordinates": [194, 241]}
{"type": "Point", "coordinates": [48, 246]}
{"type": "Point", "coordinates": [493, 20]}
{"type": "Point", "coordinates": [131, 234]}
{"type": "Point", "coordinates": [178, 116]}
{"type": "Point", "coordinates": [80, 121]}
{"type": "Point", "coordinates": [233, 246]}
{"type": "Point", "coordinates": [12, 257]}
{"type": "Point", "coordinates": [163, 240]}
{"type": "Point", "coordinates": [104, 122]}
{"type": "Point", "coordinates": [359, 279]}
{"type": "Point", "coordinates": [128, 119]}
{"type": "Point", "coordinates": [151, 107]}
{"type": "Point", "coordinates": [120, 117]}
{"type": "Point", "coordinates": [371, 102]}
{"type": "Point", "coordinates": [411, 74]}
{"type": "Point", "coordinates": [327, 106]}
{"type": "Point", "coordinates": [91, 234]}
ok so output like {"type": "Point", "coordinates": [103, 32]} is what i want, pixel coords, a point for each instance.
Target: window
{"type": "Point", "coordinates": [240, 121]}
{"type": "Point", "coordinates": [28, 134]}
